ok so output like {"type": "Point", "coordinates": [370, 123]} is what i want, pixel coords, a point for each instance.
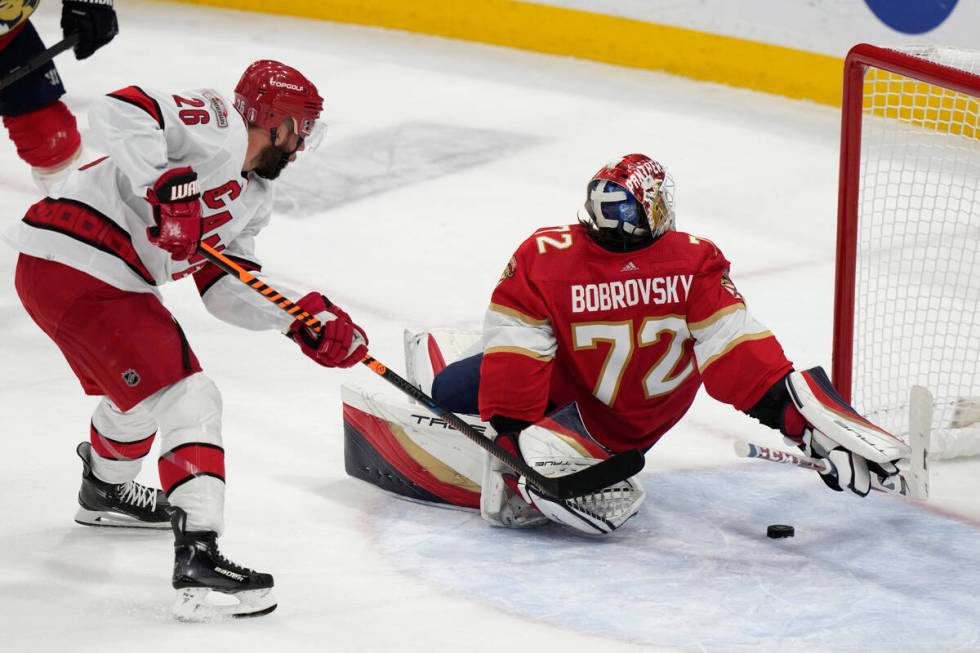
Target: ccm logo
{"type": "Point", "coordinates": [292, 87]}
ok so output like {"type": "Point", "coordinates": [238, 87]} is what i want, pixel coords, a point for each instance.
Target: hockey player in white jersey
{"type": "Point", "coordinates": [182, 168]}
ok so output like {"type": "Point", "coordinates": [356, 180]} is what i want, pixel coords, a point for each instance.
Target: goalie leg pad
{"type": "Point", "coordinates": [594, 514]}
{"type": "Point", "coordinates": [427, 353]}
{"type": "Point", "coordinates": [501, 504]}
{"type": "Point", "coordinates": [557, 445]}
{"type": "Point", "coordinates": [408, 451]}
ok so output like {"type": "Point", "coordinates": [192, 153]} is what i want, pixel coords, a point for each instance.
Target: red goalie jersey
{"type": "Point", "coordinates": [630, 336]}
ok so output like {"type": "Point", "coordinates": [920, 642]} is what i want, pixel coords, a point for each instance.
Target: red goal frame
{"type": "Point", "coordinates": [858, 60]}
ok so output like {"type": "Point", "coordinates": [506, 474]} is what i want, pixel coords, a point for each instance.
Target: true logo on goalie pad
{"type": "Point", "coordinates": [429, 420]}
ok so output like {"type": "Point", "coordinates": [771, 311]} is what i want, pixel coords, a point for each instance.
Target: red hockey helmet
{"type": "Point", "coordinates": [270, 92]}
{"type": "Point", "coordinates": [633, 195]}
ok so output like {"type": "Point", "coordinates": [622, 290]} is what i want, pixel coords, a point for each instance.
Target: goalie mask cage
{"type": "Point", "coordinates": [907, 305]}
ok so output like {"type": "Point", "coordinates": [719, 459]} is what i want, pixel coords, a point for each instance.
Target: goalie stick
{"type": "Point", "coordinates": [914, 471]}
{"type": "Point", "coordinates": [44, 57]}
{"type": "Point", "coordinates": [614, 469]}
{"type": "Point", "coordinates": [821, 465]}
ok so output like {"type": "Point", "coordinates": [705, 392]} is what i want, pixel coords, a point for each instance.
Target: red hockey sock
{"type": "Point", "coordinates": [46, 138]}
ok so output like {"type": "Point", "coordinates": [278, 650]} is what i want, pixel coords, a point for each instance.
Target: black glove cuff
{"type": "Point", "coordinates": [94, 21]}
{"type": "Point", "coordinates": [181, 187]}
{"type": "Point", "coordinates": [770, 409]}
{"type": "Point", "coordinates": [509, 425]}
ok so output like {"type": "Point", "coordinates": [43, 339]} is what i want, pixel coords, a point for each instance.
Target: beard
{"type": "Point", "coordinates": [272, 161]}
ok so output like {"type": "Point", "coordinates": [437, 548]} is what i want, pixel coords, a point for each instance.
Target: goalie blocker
{"type": "Point", "coordinates": [834, 431]}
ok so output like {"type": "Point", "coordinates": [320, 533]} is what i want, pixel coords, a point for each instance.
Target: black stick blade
{"type": "Point", "coordinates": [602, 475]}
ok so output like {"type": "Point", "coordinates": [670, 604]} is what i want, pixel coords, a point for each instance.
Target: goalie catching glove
{"type": "Point", "coordinates": [815, 418]}
{"type": "Point", "coordinates": [340, 342]}
{"type": "Point", "coordinates": [509, 500]}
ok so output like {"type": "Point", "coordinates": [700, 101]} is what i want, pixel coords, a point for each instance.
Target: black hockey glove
{"type": "Point", "coordinates": [93, 20]}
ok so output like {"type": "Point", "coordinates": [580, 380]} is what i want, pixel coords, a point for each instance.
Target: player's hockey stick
{"type": "Point", "coordinates": [592, 479]}
{"type": "Point", "coordinates": [44, 57]}
{"type": "Point", "coordinates": [822, 465]}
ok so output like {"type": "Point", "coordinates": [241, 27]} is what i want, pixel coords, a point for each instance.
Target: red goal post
{"type": "Point", "coordinates": [908, 232]}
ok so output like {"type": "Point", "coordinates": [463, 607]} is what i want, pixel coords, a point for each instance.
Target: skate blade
{"type": "Point", "coordinates": [104, 518]}
{"type": "Point", "coordinates": [198, 604]}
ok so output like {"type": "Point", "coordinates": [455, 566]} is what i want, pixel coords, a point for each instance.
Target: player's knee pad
{"type": "Point", "coordinates": [188, 410]}
{"type": "Point", "coordinates": [598, 513]}
{"type": "Point", "coordinates": [192, 461]}
{"type": "Point", "coordinates": [47, 138]}
{"type": "Point", "coordinates": [129, 426]}
{"type": "Point", "coordinates": [120, 441]}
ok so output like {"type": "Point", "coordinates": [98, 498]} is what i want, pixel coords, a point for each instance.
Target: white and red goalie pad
{"type": "Point", "coordinates": [402, 448]}
{"type": "Point", "coordinates": [429, 352]}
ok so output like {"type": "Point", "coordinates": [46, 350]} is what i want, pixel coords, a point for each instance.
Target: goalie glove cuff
{"type": "Point", "coordinates": [508, 425]}
{"type": "Point", "coordinates": [776, 410]}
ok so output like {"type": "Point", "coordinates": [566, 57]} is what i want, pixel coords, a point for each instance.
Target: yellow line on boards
{"type": "Point", "coordinates": [569, 32]}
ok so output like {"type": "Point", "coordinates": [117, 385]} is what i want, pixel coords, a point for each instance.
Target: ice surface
{"type": "Point", "coordinates": [358, 570]}
{"type": "Point", "coordinates": [700, 574]}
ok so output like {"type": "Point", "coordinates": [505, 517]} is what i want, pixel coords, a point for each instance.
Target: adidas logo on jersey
{"type": "Point", "coordinates": [630, 267]}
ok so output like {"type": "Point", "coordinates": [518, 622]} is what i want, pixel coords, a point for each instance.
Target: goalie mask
{"type": "Point", "coordinates": [629, 203]}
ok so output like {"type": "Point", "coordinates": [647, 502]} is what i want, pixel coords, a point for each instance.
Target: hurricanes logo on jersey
{"type": "Point", "coordinates": [728, 285]}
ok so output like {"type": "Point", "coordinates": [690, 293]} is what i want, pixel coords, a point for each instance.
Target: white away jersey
{"type": "Point", "coordinates": [98, 222]}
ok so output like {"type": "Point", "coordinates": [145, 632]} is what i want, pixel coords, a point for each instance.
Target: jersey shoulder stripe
{"type": "Point", "coordinates": [139, 98]}
{"type": "Point", "coordinates": [83, 223]}
{"type": "Point", "coordinates": [519, 315]}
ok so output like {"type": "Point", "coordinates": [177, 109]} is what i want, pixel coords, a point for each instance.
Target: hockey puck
{"type": "Point", "coordinates": [777, 531]}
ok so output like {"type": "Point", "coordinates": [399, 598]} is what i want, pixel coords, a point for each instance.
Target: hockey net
{"type": "Point", "coordinates": [907, 308]}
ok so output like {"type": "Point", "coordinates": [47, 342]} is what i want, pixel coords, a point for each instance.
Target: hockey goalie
{"type": "Point", "coordinates": [597, 338]}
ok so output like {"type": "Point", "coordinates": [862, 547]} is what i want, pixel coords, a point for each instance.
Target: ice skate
{"type": "Point", "coordinates": [209, 586]}
{"type": "Point", "coordinates": [128, 505]}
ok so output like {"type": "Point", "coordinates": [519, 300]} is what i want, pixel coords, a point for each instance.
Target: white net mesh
{"type": "Point", "coordinates": [917, 291]}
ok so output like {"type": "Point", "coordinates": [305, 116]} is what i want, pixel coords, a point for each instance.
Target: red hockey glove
{"type": "Point", "coordinates": [177, 213]}
{"type": "Point", "coordinates": [340, 343]}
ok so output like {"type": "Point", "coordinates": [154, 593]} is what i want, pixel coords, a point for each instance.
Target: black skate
{"type": "Point", "coordinates": [118, 504]}
{"type": "Point", "coordinates": [209, 586]}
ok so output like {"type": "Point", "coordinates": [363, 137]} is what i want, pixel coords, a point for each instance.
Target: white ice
{"type": "Point", "coordinates": [440, 158]}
